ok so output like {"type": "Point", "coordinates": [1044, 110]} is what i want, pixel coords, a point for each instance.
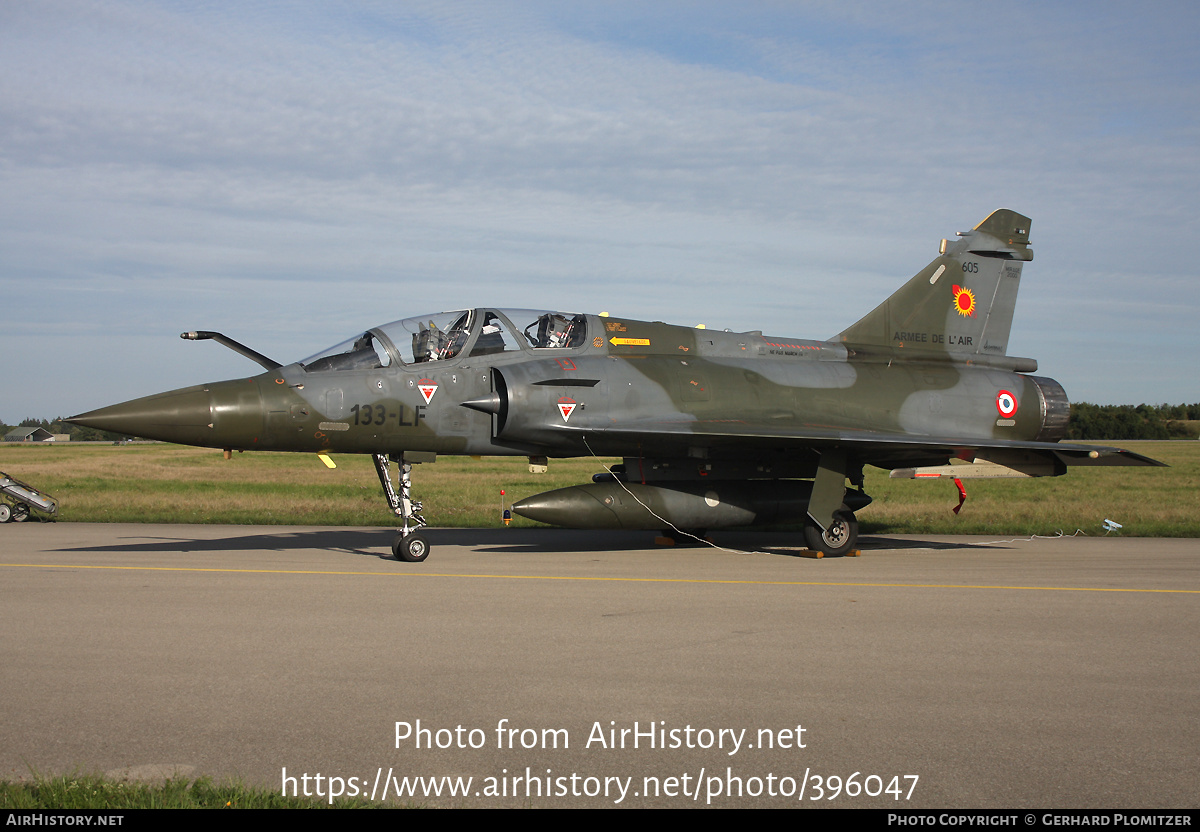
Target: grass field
{"type": "Point", "coordinates": [73, 792]}
{"type": "Point", "coordinates": [172, 484]}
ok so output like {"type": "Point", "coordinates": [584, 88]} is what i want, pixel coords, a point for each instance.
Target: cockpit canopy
{"type": "Point", "coordinates": [449, 335]}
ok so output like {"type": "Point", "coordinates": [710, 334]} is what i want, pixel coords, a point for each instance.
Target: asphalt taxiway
{"type": "Point", "coordinates": [988, 672]}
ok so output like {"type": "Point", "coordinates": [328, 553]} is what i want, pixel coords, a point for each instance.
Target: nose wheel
{"type": "Point", "coordinates": [411, 548]}
{"type": "Point", "coordinates": [411, 545]}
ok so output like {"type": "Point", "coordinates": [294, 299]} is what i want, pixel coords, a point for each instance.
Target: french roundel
{"type": "Point", "coordinates": [1006, 403]}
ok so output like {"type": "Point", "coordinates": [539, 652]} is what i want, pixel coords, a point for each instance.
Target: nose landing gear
{"type": "Point", "coordinates": [410, 545]}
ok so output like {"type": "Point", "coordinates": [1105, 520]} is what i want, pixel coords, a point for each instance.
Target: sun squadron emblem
{"type": "Point", "coordinates": [964, 301]}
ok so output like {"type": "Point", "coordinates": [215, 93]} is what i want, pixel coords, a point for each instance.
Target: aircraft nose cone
{"type": "Point", "coordinates": [224, 414]}
{"type": "Point", "coordinates": [177, 416]}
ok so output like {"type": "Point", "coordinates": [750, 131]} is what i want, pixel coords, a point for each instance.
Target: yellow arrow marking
{"type": "Point", "coordinates": [630, 342]}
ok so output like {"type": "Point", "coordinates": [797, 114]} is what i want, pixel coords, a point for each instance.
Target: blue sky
{"type": "Point", "coordinates": [291, 173]}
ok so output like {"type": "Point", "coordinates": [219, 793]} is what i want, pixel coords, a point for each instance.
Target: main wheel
{"type": "Point", "coordinates": [412, 548]}
{"type": "Point", "coordinates": [5, 513]}
{"type": "Point", "coordinates": [838, 540]}
{"type": "Point", "coordinates": [20, 513]}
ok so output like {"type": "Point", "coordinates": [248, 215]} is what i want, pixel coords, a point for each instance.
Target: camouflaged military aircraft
{"type": "Point", "coordinates": [715, 428]}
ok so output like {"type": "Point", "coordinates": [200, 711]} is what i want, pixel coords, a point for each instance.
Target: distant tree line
{"type": "Point", "coordinates": [78, 433]}
{"type": "Point", "coordinates": [1126, 421]}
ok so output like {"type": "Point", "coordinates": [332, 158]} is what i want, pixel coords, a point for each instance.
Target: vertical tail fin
{"type": "Point", "coordinates": [962, 302]}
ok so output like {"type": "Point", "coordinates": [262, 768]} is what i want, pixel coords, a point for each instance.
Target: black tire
{"type": "Point", "coordinates": [838, 540]}
{"type": "Point", "coordinates": [20, 514]}
{"type": "Point", "coordinates": [411, 548]}
{"type": "Point", "coordinates": [5, 513]}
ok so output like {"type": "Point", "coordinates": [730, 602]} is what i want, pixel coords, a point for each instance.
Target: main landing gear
{"type": "Point", "coordinates": [838, 539]}
{"type": "Point", "coordinates": [411, 544]}
{"type": "Point", "coordinates": [829, 526]}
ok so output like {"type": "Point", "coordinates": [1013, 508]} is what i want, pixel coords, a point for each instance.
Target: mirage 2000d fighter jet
{"type": "Point", "coordinates": [715, 428]}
